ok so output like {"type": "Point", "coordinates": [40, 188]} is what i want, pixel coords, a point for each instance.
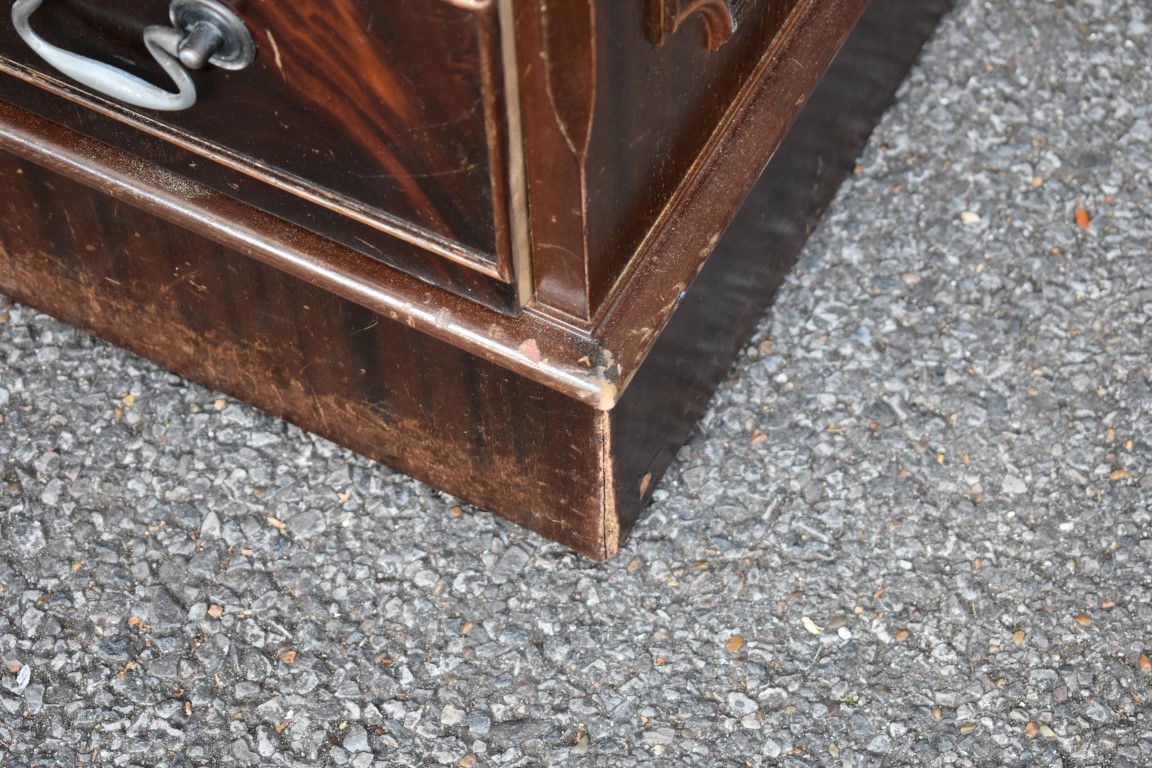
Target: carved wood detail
{"type": "Point", "coordinates": [719, 18]}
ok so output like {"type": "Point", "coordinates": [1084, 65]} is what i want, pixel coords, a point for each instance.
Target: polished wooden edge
{"type": "Point", "coordinates": [209, 312]}
{"type": "Point", "coordinates": [687, 231]}
{"type": "Point", "coordinates": [757, 123]}
{"type": "Point", "coordinates": [532, 346]}
{"type": "Point", "coordinates": [503, 144]}
{"type": "Point", "coordinates": [516, 182]}
{"type": "Point", "coordinates": [593, 366]}
{"type": "Point", "coordinates": [489, 265]}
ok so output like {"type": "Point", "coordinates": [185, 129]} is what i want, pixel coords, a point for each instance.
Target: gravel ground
{"type": "Point", "coordinates": [913, 529]}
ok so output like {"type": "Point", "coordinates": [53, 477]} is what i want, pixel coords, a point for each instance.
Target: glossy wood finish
{"type": "Point", "coordinates": [387, 114]}
{"type": "Point", "coordinates": [526, 344]}
{"type": "Point", "coordinates": [304, 353]}
{"type": "Point", "coordinates": [616, 127]}
{"type": "Point", "coordinates": [403, 118]}
{"type": "Point", "coordinates": [562, 429]}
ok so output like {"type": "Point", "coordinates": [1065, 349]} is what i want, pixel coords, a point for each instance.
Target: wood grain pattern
{"type": "Point", "coordinates": [353, 105]}
{"type": "Point", "coordinates": [526, 344]}
{"type": "Point", "coordinates": [563, 430]}
{"type": "Point", "coordinates": [332, 366]}
{"type": "Point", "coordinates": [361, 115]}
{"type": "Point", "coordinates": [656, 111]}
{"type": "Point", "coordinates": [341, 109]}
{"type": "Point", "coordinates": [487, 434]}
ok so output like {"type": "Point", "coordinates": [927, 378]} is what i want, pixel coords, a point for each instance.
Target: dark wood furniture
{"type": "Point", "coordinates": [507, 246]}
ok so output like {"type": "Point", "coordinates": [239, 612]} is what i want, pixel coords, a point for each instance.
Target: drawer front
{"type": "Point", "coordinates": [379, 123]}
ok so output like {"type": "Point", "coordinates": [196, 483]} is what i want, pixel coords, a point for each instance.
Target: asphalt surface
{"type": "Point", "coordinates": [913, 529]}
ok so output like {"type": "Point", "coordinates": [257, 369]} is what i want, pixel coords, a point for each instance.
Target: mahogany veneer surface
{"type": "Point", "coordinates": [536, 335]}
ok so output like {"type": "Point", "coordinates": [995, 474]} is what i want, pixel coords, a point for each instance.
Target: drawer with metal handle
{"type": "Point", "coordinates": [202, 32]}
{"type": "Point", "coordinates": [377, 124]}
{"type": "Point", "coordinates": [625, 182]}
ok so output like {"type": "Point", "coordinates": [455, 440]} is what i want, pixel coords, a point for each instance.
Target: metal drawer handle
{"type": "Point", "coordinates": [202, 31]}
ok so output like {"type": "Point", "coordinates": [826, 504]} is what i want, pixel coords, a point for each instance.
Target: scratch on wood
{"type": "Point", "coordinates": [610, 521]}
{"type": "Point", "coordinates": [555, 247]}
{"type": "Point", "coordinates": [368, 244]}
{"type": "Point", "coordinates": [369, 327]}
{"type": "Point", "coordinates": [570, 70]}
{"type": "Point", "coordinates": [530, 350]}
{"type": "Point", "coordinates": [276, 55]}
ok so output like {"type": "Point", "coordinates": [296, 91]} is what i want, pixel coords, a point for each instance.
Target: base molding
{"type": "Point", "coordinates": [414, 382]}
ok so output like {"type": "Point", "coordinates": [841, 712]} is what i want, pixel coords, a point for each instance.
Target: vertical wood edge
{"type": "Point", "coordinates": [609, 540]}
{"type": "Point", "coordinates": [517, 179]}
{"type": "Point", "coordinates": [558, 91]}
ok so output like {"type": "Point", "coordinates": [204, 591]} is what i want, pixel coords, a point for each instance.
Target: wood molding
{"type": "Point", "coordinates": [719, 18]}
{"type": "Point", "coordinates": [424, 186]}
{"type": "Point", "coordinates": [561, 430]}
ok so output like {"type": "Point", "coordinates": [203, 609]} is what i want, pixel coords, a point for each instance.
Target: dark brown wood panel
{"type": "Point", "coordinates": [484, 434]}
{"type": "Point", "coordinates": [170, 159]}
{"type": "Point", "coordinates": [535, 347]}
{"type": "Point", "coordinates": [613, 126]}
{"type": "Point", "coordinates": [558, 429]}
{"type": "Point", "coordinates": [659, 107]}
{"type": "Point", "coordinates": [389, 110]}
